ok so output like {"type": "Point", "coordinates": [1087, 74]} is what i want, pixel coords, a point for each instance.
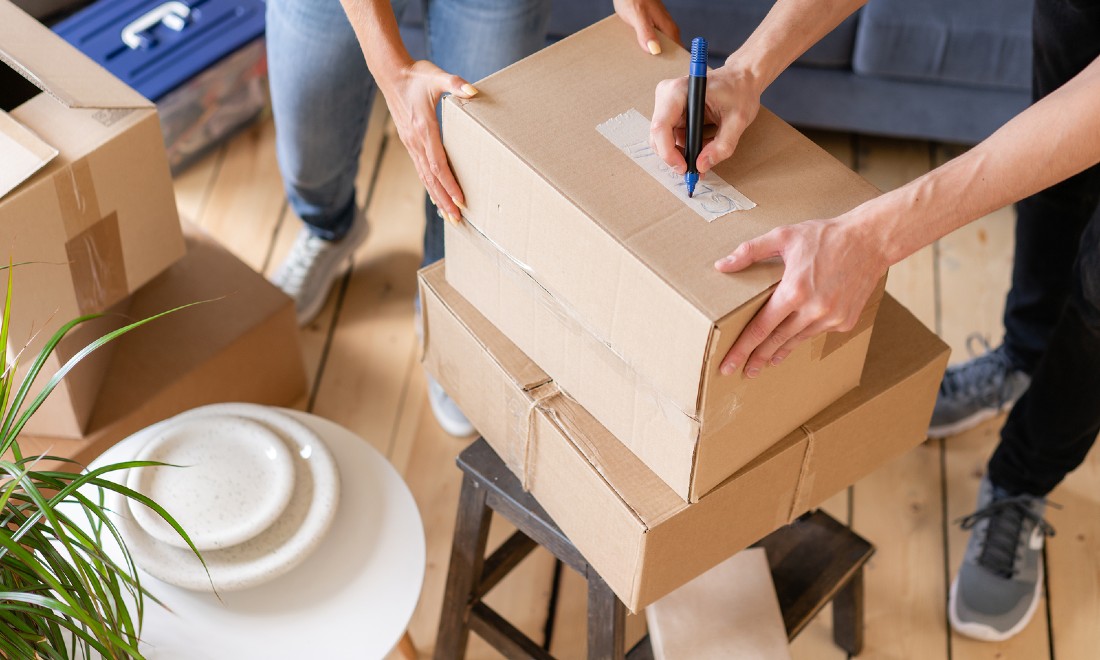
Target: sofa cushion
{"type": "Point", "coordinates": [986, 43]}
{"type": "Point", "coordinates": [726, 25]}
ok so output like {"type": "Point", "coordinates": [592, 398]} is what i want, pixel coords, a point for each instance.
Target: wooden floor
{"type": "Point", "coordinates": [362, 357]}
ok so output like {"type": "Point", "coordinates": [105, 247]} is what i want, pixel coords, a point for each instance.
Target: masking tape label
{"type": "Point", "coordinates": [713, 197]}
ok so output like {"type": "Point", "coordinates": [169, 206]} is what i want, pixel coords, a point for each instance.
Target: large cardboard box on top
{"type": "Point", "coordinates": [641, 536]}
{"type": "Point", "coordinates": [85, 197]}
{"type": "Point", "coordinates": [627, 258]}
{"type": "Point", "coordinates": [692, 454]}
{"type": "Point", "coordinates": [241, 346]}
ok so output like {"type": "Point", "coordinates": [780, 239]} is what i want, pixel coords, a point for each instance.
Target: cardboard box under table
{"type": "Point", "coordinates": [640, 535]}
{"type": "Point", "coordinates": [241, 346]}
{"type": "Point", "coordinates": [85, 198]}
{"type": "Point", "coordinates": [563, 189]}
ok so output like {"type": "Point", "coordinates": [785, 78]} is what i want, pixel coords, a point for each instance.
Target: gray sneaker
{"type": "Point", "coordinates": [997, 589]}
{"type": "Point", "coordinates": [447, 412]}
{"type": "Point", "coordinates": [313, 265]}
{"type": "Point", "coordinates": [975, 391]}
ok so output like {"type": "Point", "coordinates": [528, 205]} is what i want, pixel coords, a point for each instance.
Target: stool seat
{"type": "Point", "coordinates": [813, 561]}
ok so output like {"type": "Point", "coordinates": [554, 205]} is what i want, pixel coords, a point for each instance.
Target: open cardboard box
{"type": "Point", "coordinates": [241, 346]}
{"type": "Point", "coordinates": [627, 259]}
{"type": "Point", "coordinates": [86, 200]}
{"type": "Point", "coordinates": [637, 532]}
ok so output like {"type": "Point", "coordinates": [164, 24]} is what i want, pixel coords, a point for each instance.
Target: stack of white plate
{"type": "Point", "coordinates": [254, 489]}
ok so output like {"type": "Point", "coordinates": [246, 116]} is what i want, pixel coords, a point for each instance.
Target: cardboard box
{"type": "Point", "coordinates": [731, 611]}
{"type": "Point", "coordinates": [691, 452]}
{"type": "Point", "coordinates": [626, 257]}
{"type": "Point", "coordinates": [66, 412]}
{"type": "Point", "coordinates": [640, 535]}
{"type": "Point", "coordinates": [241, 346]}
{"type": "Point", "coordinates": [85, 193]}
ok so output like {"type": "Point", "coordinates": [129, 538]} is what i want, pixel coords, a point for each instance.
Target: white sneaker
{"type": "Point", "coordinates": [313, 265]}
{"type": "Point", "coordinates": [447, 412]}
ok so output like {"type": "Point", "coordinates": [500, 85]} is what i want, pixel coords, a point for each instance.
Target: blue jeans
{"type": "Point", "coordinates": [1052, 316]}
{"type": "Point", "coordinates": [321, 91]}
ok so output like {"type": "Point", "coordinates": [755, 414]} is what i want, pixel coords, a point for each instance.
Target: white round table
{"type": "Point", "coordinates": [352, 597]}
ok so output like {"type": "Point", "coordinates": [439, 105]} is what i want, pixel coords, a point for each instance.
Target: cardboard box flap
{"type": "Point", "coordinates": [24, 154]}
{"type": "Point", "coordinates": [650, 221]}
{"type": "Point", "coordinates": [900, 347]}
{"type": "Point", "coordinates": [524, 372]}
{"type": "Point", "coordinates": [56, 67]}
{"type": "Point", "coordinates": [640, 490]}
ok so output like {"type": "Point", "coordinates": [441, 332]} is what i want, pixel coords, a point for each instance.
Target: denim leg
{"type": "Point", "coordinates": [1066, 38]}
{"type": "Point", "coordinates": [321, 92]}
{"type": "Point", "coordinates": [472, 39]}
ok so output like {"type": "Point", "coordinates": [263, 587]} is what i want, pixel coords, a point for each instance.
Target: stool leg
{"type": "Point", "coordinates": [606, 620]}
{"type": "Point", "coordinates": [464, 572]}
{"type": "Point", "coordinates": [406, 649]}
{"type": "Point", "coordinates": [848, 615]}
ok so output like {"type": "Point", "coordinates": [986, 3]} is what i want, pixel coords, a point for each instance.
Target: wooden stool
{"type": "Point", "coordinates": [814, 561]}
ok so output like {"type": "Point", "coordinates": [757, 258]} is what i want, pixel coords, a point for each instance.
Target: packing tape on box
{"type": "Point", "coordinates": [713, 198]}
{"type": "Point", "coordinates": [805, 483]}
{"type": "Point", "coordinates": [539, 396]}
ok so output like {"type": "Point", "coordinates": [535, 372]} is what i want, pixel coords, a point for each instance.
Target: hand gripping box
{"type": "Point", "coordinates": [575, 227]}
{"type": "Point", "coordinates": [86, 201]}
{"type": "Point", "coordinates": [640, 535]}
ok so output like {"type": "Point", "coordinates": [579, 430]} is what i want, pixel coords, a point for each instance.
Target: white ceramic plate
{"type": "Point", "coordinates": [228, 479]}
{"type": "Point", "coordinates": [273, 552]}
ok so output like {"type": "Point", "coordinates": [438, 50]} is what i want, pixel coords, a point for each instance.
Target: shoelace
{"type": "Point", "coordinates": [990, 366]}
{"type": "Point", "coordinates": [302, 258]}
{"type": "Point", "coordinates": [1002, 536]}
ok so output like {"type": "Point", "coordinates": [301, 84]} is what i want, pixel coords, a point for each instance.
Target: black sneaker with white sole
{"type": "Point", "coordinates": [975, 391]}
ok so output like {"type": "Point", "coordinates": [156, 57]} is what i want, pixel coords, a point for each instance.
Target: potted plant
{"type": "Point", "coordinates": [61, 595]}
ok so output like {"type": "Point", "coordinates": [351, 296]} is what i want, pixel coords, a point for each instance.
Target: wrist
{"type": "Point", "coordinates": [869, 228]}
{"type": "Point", "coordinates": [743, 79]}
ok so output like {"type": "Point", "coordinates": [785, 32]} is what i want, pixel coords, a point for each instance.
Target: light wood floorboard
{"type": "Point", "coordinates": [363, 360]}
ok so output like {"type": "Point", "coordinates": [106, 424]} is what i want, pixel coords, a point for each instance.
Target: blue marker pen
{"type": "Point", "coordinates": [696, 104]}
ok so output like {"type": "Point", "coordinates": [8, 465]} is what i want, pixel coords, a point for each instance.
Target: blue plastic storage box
{"type": "Point", "coordinates": [202, 62]}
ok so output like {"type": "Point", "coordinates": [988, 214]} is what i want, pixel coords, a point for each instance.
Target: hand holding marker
{"type": "Point", "coordinates": [696, 104]}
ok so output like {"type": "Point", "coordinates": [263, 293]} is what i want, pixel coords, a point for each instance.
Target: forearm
{"type": "Point", "coordinates": [376, 29]}
{"type": "Point", "coordinates": [789, 29]}
{"type": "Point", "coordinates": [1047, 143]}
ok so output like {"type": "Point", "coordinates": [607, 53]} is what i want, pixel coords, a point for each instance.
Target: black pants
{"type": "Point", "coordinates": [1052, 316]}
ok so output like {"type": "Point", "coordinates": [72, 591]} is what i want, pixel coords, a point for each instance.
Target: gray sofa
{"type": "Point", "coordinates": [945, 70]}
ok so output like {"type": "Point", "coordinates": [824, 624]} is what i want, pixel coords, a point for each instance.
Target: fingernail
{"type": "Point", "coordinates": [469, 90]}
{"type": "Point", "coordinates": [752, 372]}
{"type": "Point", "coordinates": [776, 360]}
{"type": "Point", "coordinates": [722, 262]}
{"type": "Point", "coordinates": [728, 369]}
{"type": "Point", "coordinates": [434, 203]}
{"type": "Point", "coordinates": [679, 169]}
{"type": "Point", "coordinates": [459, 204]}
{"type": "Point", "coordinates": [654, 47]}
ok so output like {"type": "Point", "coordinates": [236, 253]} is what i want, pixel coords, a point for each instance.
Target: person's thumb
{"type": "Point", "coordinates": [751, 251]}
{"type": "Point", "coordinates": [722, 146]}
{"type": "Point", "coordinates": [458, 86]}
{"type": "Point", "coordinates": [647, 35]}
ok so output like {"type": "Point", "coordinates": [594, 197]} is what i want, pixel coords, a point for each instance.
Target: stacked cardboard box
{"type": "Point", "coordinates": [605, 278]}
{"type": "Point", "coordinates": [87, 209]}
{"type": "Point", "coordinates": [579, 323]}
